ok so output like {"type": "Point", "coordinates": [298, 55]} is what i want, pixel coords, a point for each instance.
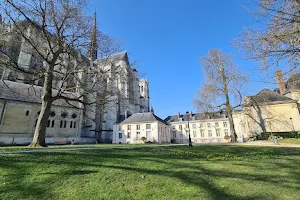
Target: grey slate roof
{"type": "Point", "coordinates": [267, 96]}
{"type": "Point", "coordinates": [143, 117]}
{"type": "Point", "coordinates": [197, 116]}
{"type": "Point", "coordinates": [14, 91]}
{"type": "Point", "coordinates": [114, 58]}
{"type": "Point", "coordinates": [293, 83]}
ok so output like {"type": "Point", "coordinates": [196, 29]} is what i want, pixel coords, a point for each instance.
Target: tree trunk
{"type": "Point", "coordinates": [231, 123]}
{"type": "Point", "coordinates": [41, 126]}
{"type": "Point", "coordinates": [228, 107]}
{"type": "Point", "coordinates": [47, 99]}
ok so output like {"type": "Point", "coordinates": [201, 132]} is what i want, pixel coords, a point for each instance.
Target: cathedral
{"type": "Point", "coordinates": [119, 94]}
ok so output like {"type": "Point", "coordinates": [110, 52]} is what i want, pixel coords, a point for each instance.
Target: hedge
{"type": "Point", "coordinates": [266, 135]}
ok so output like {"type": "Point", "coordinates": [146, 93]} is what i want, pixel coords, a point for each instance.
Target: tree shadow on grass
{"type": "Point", "coordinates": [90, 162]}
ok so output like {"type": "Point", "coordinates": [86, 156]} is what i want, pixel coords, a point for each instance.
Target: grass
{"type": "Point", "coordinates": [290, 141]}
{"type": "Point", "coordinates": [178, 172]}
{"type": "Point", "coordinates": [25, 148]}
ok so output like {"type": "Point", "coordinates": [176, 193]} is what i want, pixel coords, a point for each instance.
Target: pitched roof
{"type": "Point", "coordinates": [143, 117]}
{"type": "Point", "coordinates": [197, 116]}
{"type": "Point", "coordinates": [114, 58]}
{"type": "Point", "coordinates": [267, 96]}
{"type": "Point", "coordinates": [14, 91]}
{"type": "Point", "coordinates": [293, 83]}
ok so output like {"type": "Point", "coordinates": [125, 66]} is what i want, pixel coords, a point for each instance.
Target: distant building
{"type": "Point", "coordinates": [139, 125]}
{"type": "Point", "coordinates": [203, 127]}
{"type": "Point", "coordinates": [271, 111]}
{"type": "Point", "coordinates": [267, 111]}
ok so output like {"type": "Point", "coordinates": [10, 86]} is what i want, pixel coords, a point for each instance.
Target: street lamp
{"type": "Point", "coordinates": [188, 117]}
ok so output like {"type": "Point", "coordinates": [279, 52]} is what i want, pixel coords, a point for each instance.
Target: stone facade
{"type": "Point", "coordinates": [139, 125]}
{"type": "Point", "coordinates": [119, 80]}
{"type": "Point", "coordinates": [203, 127]}
{"type": "Point", "coordinates": [267, 111]}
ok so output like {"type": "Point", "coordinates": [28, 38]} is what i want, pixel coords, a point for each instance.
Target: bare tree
{"type": "Point", "coordinates": [223, 81]}
{"type": "Point", "coordinates": [55, 33]}
{"type": "Point", "coordinates": [274, 38]}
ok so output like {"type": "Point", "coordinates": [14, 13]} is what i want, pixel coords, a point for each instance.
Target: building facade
{"type": "Point", "coordinates": [118, 93]}
{"type": "Point", "coordinates": [139, 125]}
{"type": "Point", "coordinates": [203, 127]}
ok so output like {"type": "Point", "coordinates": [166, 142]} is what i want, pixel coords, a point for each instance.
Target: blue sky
{"type": "Point", "coordinates": [167, 38]}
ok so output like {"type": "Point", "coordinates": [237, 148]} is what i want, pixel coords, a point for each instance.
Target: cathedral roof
{"type": "Point", "coordinates": [122, 56]}
{"type": "Point", "coordinates": [143, 117]}
{"type": "Point", "coordinates": [28, 93]}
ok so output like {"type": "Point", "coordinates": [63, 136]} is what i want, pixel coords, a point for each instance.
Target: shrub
{"type": "Point", "coordinates": [144, 139]}
{"type": "Point", "coordinates": [267, 135]}
{"type": "Point", "coordinates": [226, 137]}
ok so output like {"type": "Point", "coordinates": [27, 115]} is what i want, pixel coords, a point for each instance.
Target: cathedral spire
{"type": "Point", "coordinates": [93, 46]}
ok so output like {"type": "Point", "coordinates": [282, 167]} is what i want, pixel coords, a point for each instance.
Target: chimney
{"type": "Point", "coordinates": [191, 114]}
{"type": "Point", "coordinates": [126, 114]}
{"type": "Point", "coordinates": [280, 81]}
{"type": "Point", "coordinates": [178, 115]}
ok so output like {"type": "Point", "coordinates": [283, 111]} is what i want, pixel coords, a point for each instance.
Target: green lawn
{"type": "Point", "coordinates": [203, 172]}
{"type": "Point", "coordinates": [100, 146]}
{"type": "Point", "coordinates": [290, 141]}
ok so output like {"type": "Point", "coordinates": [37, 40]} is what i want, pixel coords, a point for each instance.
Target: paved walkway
{"type": "Point", "coordinates": [267, 143]}
{"type": "Point", "coordinates": [250, 143]}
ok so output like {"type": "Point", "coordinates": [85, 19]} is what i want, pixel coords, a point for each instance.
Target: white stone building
{"type": "Point", "coordinates": [139, 125]}
{"type": "Point", "coordinates": [203, 127]}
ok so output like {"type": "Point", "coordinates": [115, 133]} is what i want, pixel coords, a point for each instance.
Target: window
{"type": "Point", "coordinates": [65, 124]}
{"type": "Point", "coordinates": [52, 125]}
{"type": "Point", "coordinates": [208, 125]}
{"type": "Point", "coordinates": [128, 135]}
{"type": "Point", "coordinates": [225, 124]}
{"type": "Point", "coordinates": [174, 135]}
{"type": "Point", "coordinates": [120, 135]}
{"type": "Point", "coordinates": [201, 126]}
{"type": "Point", "coordinates": [209, 133]}
{"type": "Point", "coordinates": [138, 135]}
{"type": "Point", "coordinates": [216, 124]}
{"type": "Point", "coordinates": [138, 127]}
{"type": "Point", "coordinates": [74, 126]}
{"type": "Point", "coordinates": [226, 132]}
{"type": "Point", "coordinates": [181, 135]}
{"type": "Point", "coordinates": [61, 124]}
{"type": "Point", "coordinates": [27, 112]}
{"type": "Point", "coordinates": [71, 124]}
{"type": "Point", "coordinates": [194, 126]}
{"type": "Point", "coordinates": [128, 127]}
{"type": "Point", "coordinates": [180, 127]}
{"type": "Point", "coordinates": [148, 126]}
{"type": "Point", "coordinates": [195, 133]}
{"type": "Point", "coordinates": [202, 133]}
{"type": "Point", "coordinates": [48, 125]}
{"type": "Point", "coordinates": [120, 128]}
{"type": "Point", "coordinates": [218, 133]}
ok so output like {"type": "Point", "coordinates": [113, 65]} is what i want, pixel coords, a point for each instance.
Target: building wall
{"type": "Point", "coordinates": [19, 119]}
{"type": "Point", "coordinates": [280, 117]}
{"type": "Point", "coordinates": [128, 133]}
{"type": "Point", "coordinates": [200, 131]}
